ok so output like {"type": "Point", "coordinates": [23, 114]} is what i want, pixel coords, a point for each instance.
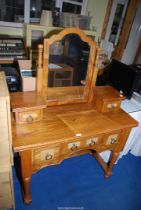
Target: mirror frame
{"type": "Point", "coordinates": [43, 62]}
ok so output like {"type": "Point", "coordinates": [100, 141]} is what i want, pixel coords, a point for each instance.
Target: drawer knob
{"type": "Point", "coordinates": [29, 118]}
{"type": "Point", "coordinates": [92, 143]}
{"type": "Point", "coordinates": [113, 141]}
{"type": "Point", "coordinates": [112, 106]}
{"type": "Point", "coordinates": [74, 147]}
{"type": "Point", "coordinates": [48, 156]}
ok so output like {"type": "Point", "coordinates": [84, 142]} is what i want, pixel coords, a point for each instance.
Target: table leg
{"type": "Point", "coordinates": [111, 163]}
{"type": "Point", "coordinates": [26, 173]}
{"type": "Point", "coordinates": [107, 167]}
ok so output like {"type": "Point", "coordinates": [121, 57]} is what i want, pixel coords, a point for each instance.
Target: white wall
{"type": "Point", "coordinates": [97, 9]}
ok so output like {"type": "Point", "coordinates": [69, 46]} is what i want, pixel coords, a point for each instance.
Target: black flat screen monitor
{"type": "Point", "coordinates": [123, 78]}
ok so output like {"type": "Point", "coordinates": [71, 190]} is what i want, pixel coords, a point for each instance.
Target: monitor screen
{"type": "Point", "coordinates": [122, 77]}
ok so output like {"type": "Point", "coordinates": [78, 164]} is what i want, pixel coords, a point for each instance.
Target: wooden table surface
{"type": "Point", "coordinates": [64, 122]}
{"type": "Point", "coordinates": [65, 131]}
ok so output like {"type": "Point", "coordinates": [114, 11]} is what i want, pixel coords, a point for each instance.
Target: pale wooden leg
{"type": "Point", "coordinates": [26, 169]}
{"type": "Point", "coordinates": [100, 160]}
{"type": "Point", "coordinates": [107, 167]}
{"type": "Point", "coordinates": [26, 190]}
{"type": "Point", "coordinates": [111, 163]}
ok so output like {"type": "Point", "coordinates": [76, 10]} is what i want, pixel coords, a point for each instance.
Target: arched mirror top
{"type": "Point", "coordinates": [60, 34]}
{"type": "Point", "coordinates": [67, 69]}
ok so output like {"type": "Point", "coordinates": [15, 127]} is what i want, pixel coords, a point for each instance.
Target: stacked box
{"type": "Point", "coordinates": [28, 78]}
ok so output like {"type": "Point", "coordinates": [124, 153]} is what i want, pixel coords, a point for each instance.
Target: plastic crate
{"type": "Point", "coordinates": [75, 20]}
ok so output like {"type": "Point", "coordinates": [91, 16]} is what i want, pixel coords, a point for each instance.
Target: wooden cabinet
{"type": "Point", "coordinates": [78, 119]}
{"type": "Point", "coordinates": [6, 156]}
{"type": "Point", "coordinates": [34, 35]}
{"type": "Point", "coordinates": [69, 130]}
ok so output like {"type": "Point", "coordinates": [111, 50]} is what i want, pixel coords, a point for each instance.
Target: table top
{"type": "Point", "coordinates": [61, 123]}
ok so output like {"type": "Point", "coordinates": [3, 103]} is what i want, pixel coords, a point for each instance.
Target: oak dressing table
{"type": "Point", "coordinates": [78, 119]}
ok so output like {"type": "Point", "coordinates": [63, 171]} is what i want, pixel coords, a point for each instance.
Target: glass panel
{"type": "Point", "coordinates": [12, 11]}
{"type": "Point", "coordinates": [36, 7]}
{"type": "Point", "coordinates": [36, 38]}
{"type": "Point", "coordinates": [71, 8]}
{"type": "Point", "coordinates": [116, 23]}
{"type": "Point", "coordinates": [68, 62]}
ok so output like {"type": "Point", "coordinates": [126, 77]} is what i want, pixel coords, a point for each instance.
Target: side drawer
{"type": "Point", "coordinates": [107, 99]}
{"type": "Point", "coordinates": [111, 140]}
{"type": "Point", "coordinates": [111, 106]}
{"type": "Point", "coordinates": [46, 156]}
{"type": "Point", "coordinates": [28, 116]}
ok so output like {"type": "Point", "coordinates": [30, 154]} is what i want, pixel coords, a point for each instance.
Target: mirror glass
{"type": "Point", "coordinates": [67, 69]}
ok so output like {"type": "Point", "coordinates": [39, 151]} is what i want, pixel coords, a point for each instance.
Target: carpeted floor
{"type": "Point", "coordinates": [78, 184]}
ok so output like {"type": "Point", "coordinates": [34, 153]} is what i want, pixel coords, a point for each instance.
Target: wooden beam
{"type": "Point", "coordinates": [106, 19]}
{"type": "Point", "coordinates": [123, 39]}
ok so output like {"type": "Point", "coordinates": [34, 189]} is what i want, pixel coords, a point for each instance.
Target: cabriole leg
{"type": "Point", "coordinates": [111, 163]}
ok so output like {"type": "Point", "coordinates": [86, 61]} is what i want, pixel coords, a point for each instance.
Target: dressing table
{"type": "Point", "coordinates": [76, 119]}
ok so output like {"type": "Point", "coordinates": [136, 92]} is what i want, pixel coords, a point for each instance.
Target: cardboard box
{"type": "Point", "coordinates": [28, 78]}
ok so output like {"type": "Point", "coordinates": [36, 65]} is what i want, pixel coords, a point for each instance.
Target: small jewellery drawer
{"type": "Point", "coordinates": [112, 139]}
{"type": "Point", "coordinates": [107, 99]}
{"type": "Point", "coordinates": [27, 106]}
{"type": "Point", "coordinates": [46, 156]}
{"type": "Point", "coordinates": [111, 106]}
{"type": "Point", "coordinates": [28, 116]}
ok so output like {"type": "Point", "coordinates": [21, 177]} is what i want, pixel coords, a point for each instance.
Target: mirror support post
{"type": "Point", "coordinates": [95, 73]}
{"type": "Point", "coordinates": [39, 69]}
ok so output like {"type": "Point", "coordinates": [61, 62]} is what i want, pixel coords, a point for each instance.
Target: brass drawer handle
{"type": "Point", "coordinates": [48, 156]}
{"type": "Point", "coordinates": [74, 147]}
{"type": "Point", "coordinates": [92, 143]}
{"type": "Point", "coordinates": [29, 118]}
{"type": "Point", "coordinates": [113, 141]}
{"type": "Point", "coordinates": [112, 106]}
